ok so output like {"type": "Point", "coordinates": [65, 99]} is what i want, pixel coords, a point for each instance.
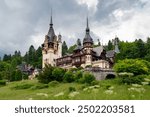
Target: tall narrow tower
{"type": "Point", "coordinates": [50, 48]}
{"type": "Point", "coordinates": [88, 45]}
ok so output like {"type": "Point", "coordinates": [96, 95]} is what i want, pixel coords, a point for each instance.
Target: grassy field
{"type": "Point", "coordinates": [104, 90]}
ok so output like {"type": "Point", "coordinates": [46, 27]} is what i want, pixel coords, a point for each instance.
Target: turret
{"type": "Point", "coordinates": [59, 45]}
{"type": "Point", "coordinates": [87, 41]}
{"type": "Point", "coordinates": [88, 45]}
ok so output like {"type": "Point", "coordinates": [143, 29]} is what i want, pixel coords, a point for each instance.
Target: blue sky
{"type": "Point", "coordinates": [26, 22]}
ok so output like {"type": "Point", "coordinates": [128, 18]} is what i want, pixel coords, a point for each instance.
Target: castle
{"type": "Point", "coordinates": [83, 55]}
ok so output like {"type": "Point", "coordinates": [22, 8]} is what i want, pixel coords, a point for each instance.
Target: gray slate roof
{"type": "Point", "coordinates": [98, 50]}
{"type": "Point", "coordinates": [110, 53]}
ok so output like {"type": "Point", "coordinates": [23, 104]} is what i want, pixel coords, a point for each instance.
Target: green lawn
{"type": "Point", "coordinates": [105, 90]}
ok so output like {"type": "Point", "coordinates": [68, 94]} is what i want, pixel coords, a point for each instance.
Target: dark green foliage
{"type": "Point", "coordinates": [133, 80]}
{"type": "Point", "coordinates": [71, 89]}
{"type": "Point", "coordinates": [53, 83]}
{"type": "Point", "coordinates": [135, 66]}
{"type": "Point", "coordinates": [78, 75]}
{"type": "Point", "coordinates": [68, 77]}
{"type": "Point", "coordinates": [39, 86]}
{"type": "Point", "coordinates": [110, 76]}
{"type": "Point", "coordinates": [87, 78]}
{"type": "Point", "coordinates": [64, 48]}
{"type": "Point", "coordinates": [18, 75]}
{"type": "Point", "coordinates": [24, 76]}
{"type": "Point", "coordinates": [7, 57]}
{"type": "Point", "coordinates": [58, 74]}
{"type": "Point", "coordinates": [71, 48]}
{"type": "Point", "coordinates": [34, 57]}
{"type": "Point", "coordinates": [2, 82]}
{"type": "Point", "coordinates": [1, 76]}
{"type": "Point", "coordinates": [94, 82]}
{"type": "Point", "coordinates": [46, 75]}
{"type": "Point", "coordinates": [110, 45]}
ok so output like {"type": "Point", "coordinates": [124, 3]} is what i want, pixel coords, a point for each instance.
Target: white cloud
{"type": "Point", "coordinates": [92, 4]}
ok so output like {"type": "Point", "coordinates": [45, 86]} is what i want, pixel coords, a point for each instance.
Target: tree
{"type": "Point", "coordinates": [18, 75]}
{"type": "Point", "coordinates": [7, 57]}
{"type": "Point", "coordinates": [135, 66]}
{"type": "Point", "coordinates": [58, 74]}
{"type": "Point", "coordinates": [71, 48]}
{"type": "Point", "coordinates": [31, 54]}
{"type": "Point", "coordinates": [64, 48]}
{"type": "Point", "coordinates": [110, 45]}
{"type": "Point", "coordinates": [46, 75]}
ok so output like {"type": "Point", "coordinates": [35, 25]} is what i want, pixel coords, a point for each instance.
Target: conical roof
{"type": "Point", "coordinates": [51, 33]}
{"type": "Point", "coordinates": [87, 37]}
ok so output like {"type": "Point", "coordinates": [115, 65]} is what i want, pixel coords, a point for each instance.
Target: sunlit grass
{"type": "Point", "coordinates": [105, 90]}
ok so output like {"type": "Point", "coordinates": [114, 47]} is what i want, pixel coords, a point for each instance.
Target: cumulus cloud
{"type": "Point", "coordinates": [26, 22]}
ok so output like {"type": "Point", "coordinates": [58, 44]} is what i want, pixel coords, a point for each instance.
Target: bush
{"type": "Point", "coordinates": [2, 82]}
{"type": "Point", "coordinates": [53, 83]}
{"type": "Point", "coordinates": [58, 74]}
{"type": "Point", "coordinates": [94, 82]}
{"type": "Point", "coordinates": [133, 80]}
{"type": "Point", "coordinates": [135, 66]}
{"type": "Point", "coordinates": [46, 75]}
{"type": "Point", "coordinates": [40, 86]}
{"type": "Point", "coordinates": [68, 77]}
{"type": "Point", "coordinates": [71, 89]}
{"type": "Point", "coordinates": [24, 76]}
{"type": "Point", "coordinates": [87, 78]}
{"type": "Point", "coordinates": [78, 75]}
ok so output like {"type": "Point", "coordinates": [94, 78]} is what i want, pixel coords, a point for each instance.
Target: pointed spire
{"type": "Point", "coordinates": [87, 25]}
{"type": "Point", "coordinates": [51, 19]}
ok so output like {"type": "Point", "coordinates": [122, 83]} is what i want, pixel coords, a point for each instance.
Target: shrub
{"type": "Point", "coordinates": [25, 76]}
{"type": "Point", "coordinates": [135, 66]}
{"type": "Point", "coordinates": [94, 82]}
{"type": "Point", "coordinates": [68, 77]}
{"type": "Point", "coordinates": [71, 89]}
{"type": "Point", "coordinates": [58, 74]}
{"type": "Point", "coordinates": [46, 75]}
{"type": "Point", "coordinates": [53, 83]}
{"type": "Point", "coordinates": [40, 86]}
{"type": "Point", "coordinates": [87, 78]}
{"type": "Point", "coordinates": [133, 80]}
{"type": "Point", "coordinates": [78, 75]}
{"type": "Point", "coordinates": [2, 82]}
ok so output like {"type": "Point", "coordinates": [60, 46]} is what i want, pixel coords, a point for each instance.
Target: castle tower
{"type": "Point", "coordinates": [50, 48]}
{"type": "Point", "coordinates": [88, 46]}
{"type": "Point", "coordinates": [59, 45]}
{"type": "Point", "coordinates": [115, 43]}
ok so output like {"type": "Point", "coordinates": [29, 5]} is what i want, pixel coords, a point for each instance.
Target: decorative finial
{"type": "Point", "coordinates": [87, 25]}
{"type": "Point", "coordinates": [51, 22]}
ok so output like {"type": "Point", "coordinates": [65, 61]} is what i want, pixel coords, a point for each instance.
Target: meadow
{"type": "Point", "coordinates": [103, 90]}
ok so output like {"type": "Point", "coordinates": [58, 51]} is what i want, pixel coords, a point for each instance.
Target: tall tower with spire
{"type": "Point", "coordinates": [51, 48]}
{"type": "Point", "coordinates": [88, 45]}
